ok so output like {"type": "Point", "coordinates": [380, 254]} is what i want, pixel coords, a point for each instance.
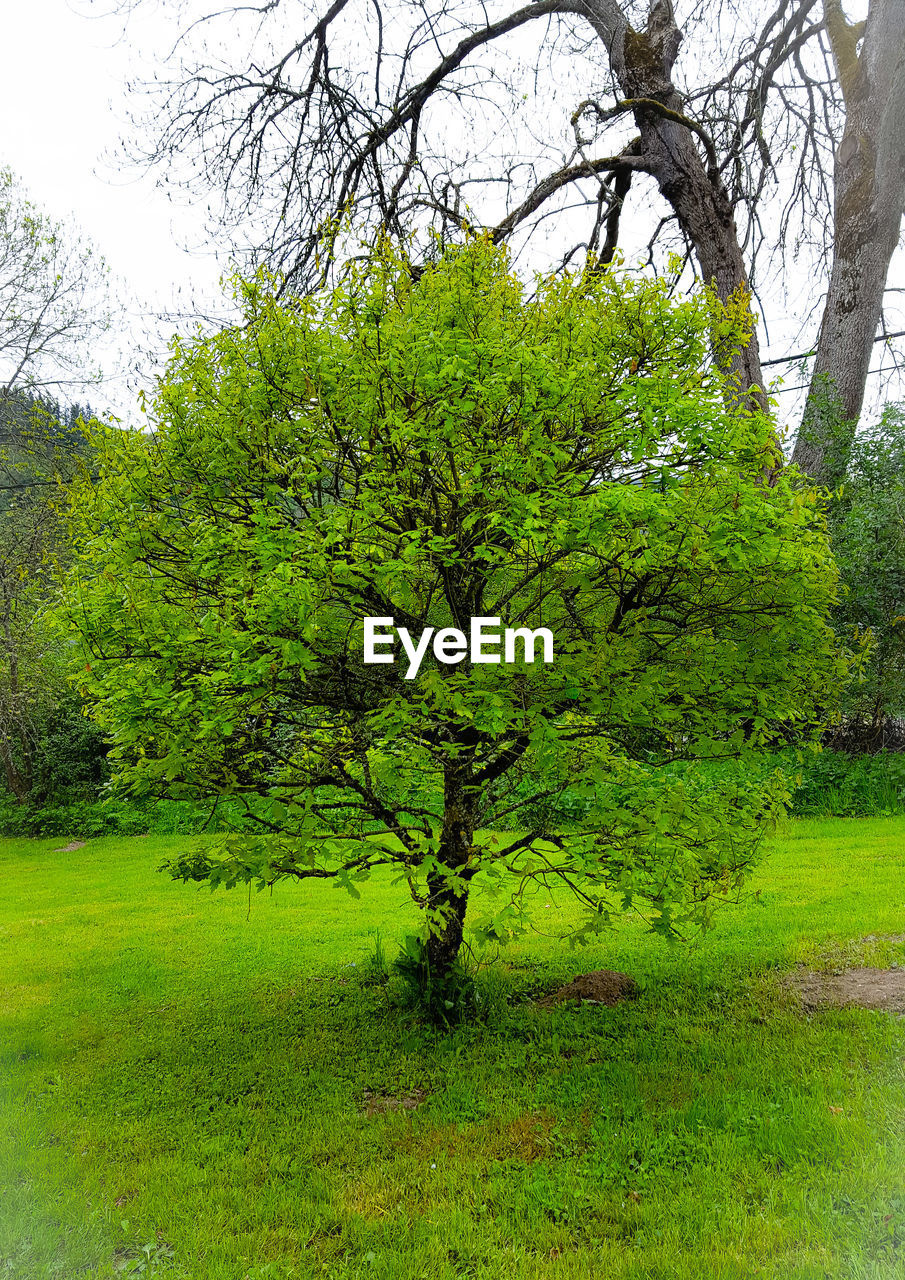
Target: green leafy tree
{"type": "Point", "coordinates": [39, 446]}
{"type": "Point", "coordinates": [867, 526]}
{"type": "Point", "coordinates": [433, 449]}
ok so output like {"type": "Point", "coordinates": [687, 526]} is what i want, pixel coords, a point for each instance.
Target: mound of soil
{"type": "Point", "coordinates": [602, 986]}
{"type": "Point", "coordinates": [870, 988]}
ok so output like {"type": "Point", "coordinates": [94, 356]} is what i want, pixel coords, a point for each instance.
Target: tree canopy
{"type": "Point", "coordinates": [432, 447]}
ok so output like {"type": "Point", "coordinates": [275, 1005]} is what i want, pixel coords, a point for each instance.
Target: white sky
{"type": "Point", "coordinates": [63, 105]}
{"type": "Point", "coordinates": [63, 101]}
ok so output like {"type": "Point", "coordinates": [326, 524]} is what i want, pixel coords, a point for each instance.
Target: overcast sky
{"type": "Point", "coordinates": [63, 105]}
{"type": "Point", "coordinates": [62, 78]}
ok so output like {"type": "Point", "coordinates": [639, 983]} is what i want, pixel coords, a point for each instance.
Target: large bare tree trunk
{"type": "Point", "coordinates": [642, 62]}
{"type": "Point", "coordinates": [869, 203]}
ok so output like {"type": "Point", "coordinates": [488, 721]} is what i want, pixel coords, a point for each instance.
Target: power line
{"type": "Point", "coordinates": [885, 368]}
{"type": "Point", "coordinates": [805, 355]}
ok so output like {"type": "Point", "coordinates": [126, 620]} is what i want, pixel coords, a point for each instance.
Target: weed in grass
{"type": "Point", "coordinates": [146, 1261]}
{"type": "Point", "coordinates": [375, 971]}
{"type": "Point", "coordinates": [443, 999]}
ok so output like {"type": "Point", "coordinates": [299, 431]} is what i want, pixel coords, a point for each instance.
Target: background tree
{"type": "Point", "coordinates": [742, 130]}
{"type": "Point", "coordinates": [868, 203]}
{"type": "Point", "coordinates": [40, 719]}
{"type": "Point", "coordinates": [54, 303]}
{"type": "Point", "coordinates": [433, 451]}
{"type": "Point", "coordinates": [53, 297]}
{"type": "Point", "coordinates": [867, 524]}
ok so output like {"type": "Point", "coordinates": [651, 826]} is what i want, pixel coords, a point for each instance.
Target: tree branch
{"type": "Point", "coordinates": [625, 161]}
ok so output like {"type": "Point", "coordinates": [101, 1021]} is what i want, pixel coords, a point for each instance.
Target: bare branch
{"type": "Point", "coordinates": [626, 161]}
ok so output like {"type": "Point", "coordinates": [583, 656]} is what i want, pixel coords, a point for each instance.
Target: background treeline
{"type": "Point", "coordinates": [50, 753]}
{"type": "Point", "coordinates": [54, 771]}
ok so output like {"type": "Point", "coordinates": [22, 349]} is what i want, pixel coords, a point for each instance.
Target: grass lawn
{"type": "Point", "coordinates": [184, 1086]}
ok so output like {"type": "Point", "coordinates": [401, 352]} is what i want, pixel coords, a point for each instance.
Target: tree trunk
{"type": "Point", "coordinates": [14, 780]}
{"type": "Point", "coordinates": [13, 712]}
{"type": "Point", "coordinates": [446, 910]}
{"type": "Point", "coordinates": [447, 886]}
{"type": "Point", "coordinates": [869, 191]}
{"type": "Point", "coordinates": [642, 62]}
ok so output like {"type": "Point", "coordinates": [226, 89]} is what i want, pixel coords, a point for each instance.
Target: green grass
{"type": "Point", "coordinates": [184, 1086]}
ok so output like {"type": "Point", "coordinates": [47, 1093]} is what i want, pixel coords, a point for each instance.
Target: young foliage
{"type": "Point", "coordinates": [431, 449]}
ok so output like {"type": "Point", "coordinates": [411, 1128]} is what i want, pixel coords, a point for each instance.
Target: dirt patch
{"type": "Point", "coordinates": [525, 1138]}
{"type": "Point", "coordinates": [870, 988]}
{"type": "Point", "coordinates": [379, 1103]}
{"type": "Point", "coordinates": [71, 846]}
{"type": "Point", "coordinates": [602, 986]}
